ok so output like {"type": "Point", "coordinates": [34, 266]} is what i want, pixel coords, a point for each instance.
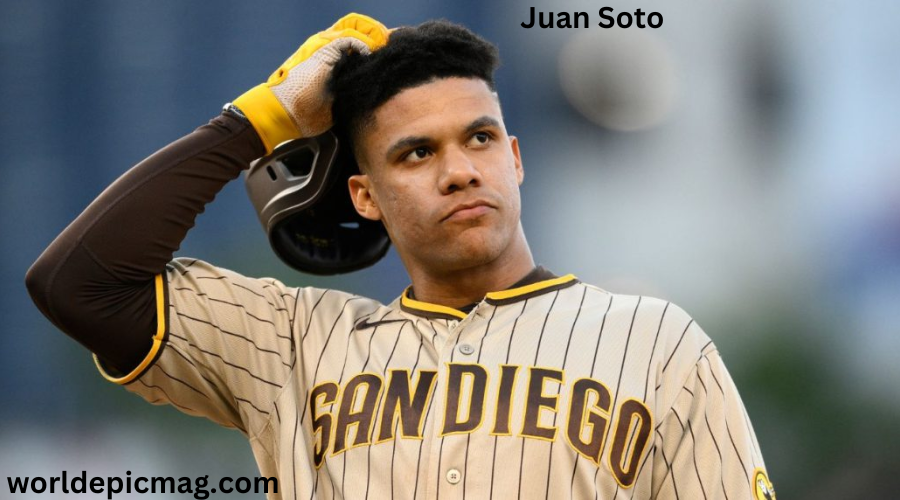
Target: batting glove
{"type": "Point", "coordinates": [294, 101]}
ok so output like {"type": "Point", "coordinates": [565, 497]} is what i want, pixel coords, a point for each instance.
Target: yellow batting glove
{"type": "Point", "coordinates": [294, 101]}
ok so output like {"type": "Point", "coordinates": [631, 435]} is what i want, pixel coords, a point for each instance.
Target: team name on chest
{"type": "Point", "coordinates": [378, 406]}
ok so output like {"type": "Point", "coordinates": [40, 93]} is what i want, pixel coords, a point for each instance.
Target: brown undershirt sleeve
{"type": "Point", "coordinates": [95, 282]}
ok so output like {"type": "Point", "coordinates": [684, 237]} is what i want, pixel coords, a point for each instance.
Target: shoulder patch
{"type": "Point", "coordinates": [762, 487]}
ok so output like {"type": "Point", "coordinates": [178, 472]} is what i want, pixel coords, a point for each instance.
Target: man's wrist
{"type": "Point", "coordinates": [230, 108]}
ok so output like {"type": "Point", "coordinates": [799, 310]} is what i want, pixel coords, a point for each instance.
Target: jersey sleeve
{"type": "Point", "coordinates": [223, 348]}
{"type": "Point", "coordinates": [705, 444]}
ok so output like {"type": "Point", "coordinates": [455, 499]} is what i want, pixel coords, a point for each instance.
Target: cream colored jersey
{"type": "Point", "coordinates": [556, 389]}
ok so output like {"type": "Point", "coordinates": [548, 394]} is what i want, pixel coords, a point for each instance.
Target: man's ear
{"type": "Point", "coordinates": [517, 156]}
{"type": "Point", "coordinates": [361, 195]}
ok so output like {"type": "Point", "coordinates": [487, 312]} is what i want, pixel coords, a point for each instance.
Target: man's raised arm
{"type": "Point", "coordinates": [97, 281]}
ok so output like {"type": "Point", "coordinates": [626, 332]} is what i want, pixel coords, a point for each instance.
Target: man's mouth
{"type": "Point", "coordinates": [466, 211]}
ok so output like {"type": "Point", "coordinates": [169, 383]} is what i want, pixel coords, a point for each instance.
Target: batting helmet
{"type": "Point", "coordinates": [300, 194]}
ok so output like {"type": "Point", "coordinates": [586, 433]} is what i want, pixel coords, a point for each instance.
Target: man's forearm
{"type": "Point", "coordinates": [95, 281]}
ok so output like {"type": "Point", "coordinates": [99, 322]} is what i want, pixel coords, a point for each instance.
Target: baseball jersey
{"type": "Point", "coordinates": [552, 389]}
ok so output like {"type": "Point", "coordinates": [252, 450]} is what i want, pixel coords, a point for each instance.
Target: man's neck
{"type": "Point", "coordinates": [463, 287]}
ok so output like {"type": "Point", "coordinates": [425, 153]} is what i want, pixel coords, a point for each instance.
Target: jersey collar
{"type": "Point", "coordinates": [536, 282]}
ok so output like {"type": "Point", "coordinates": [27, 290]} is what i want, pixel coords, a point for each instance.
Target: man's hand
{"type": "Point", "coordinates": [294, 102]}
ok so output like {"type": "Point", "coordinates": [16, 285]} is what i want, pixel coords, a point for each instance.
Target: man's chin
{"type": "Point", "coordinates": [471, 248]}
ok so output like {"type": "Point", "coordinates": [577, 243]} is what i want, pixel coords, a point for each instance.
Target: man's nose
{"type": "Point", "coordinates": [458, 171]}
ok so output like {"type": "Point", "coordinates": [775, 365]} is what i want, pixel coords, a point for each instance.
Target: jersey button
{"type": "Point", "coordinates": [453, 476]}
{"type": "Point", "coordinates": [466, 349]}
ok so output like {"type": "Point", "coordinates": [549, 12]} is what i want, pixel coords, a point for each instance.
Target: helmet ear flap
{"type": "Point", "coordinates": [300, 196]}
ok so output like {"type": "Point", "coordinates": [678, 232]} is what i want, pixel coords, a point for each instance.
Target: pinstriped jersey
{"type": "Point", "coordinates": [554, 389]}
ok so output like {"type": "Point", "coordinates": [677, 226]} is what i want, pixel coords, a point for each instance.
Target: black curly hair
{"type": "Point", "coordinates": [413, 56]}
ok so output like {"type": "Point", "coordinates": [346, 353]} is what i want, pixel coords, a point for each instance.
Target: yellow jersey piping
{"type": "Point", "coordinates": [534, 287]}
{"type": "Point", "coordinates": [428, 309]}
{"type": "Point", "coordinates": [158, 340]}
{"type": "Point", "coordinates": [433, 310]}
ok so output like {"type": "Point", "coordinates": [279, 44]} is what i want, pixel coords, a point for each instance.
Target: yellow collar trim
{"type": "Point", "coordinates": [426, 306]}
{"type": "Point", "coordinates": [534, 287]}
{"type": "Point", "coordinates": [502, 295]}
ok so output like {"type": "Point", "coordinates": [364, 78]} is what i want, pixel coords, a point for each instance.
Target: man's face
{"type": "Point", "coordinates": [442, 175]}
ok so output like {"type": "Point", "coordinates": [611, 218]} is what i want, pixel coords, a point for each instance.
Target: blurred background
{"type": "Point", "coordinates": [743, 161]}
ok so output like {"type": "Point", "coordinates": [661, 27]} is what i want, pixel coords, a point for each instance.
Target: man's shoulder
{"type": "Point", "coordinates": [641, 304]}
{"type": "Point", "coordinates": [195, 273]}
{"type": "Point", "coordinates": [665, 324]}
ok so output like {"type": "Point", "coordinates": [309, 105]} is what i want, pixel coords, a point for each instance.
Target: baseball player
{"type": "Point", "coordinates": [489, 377]}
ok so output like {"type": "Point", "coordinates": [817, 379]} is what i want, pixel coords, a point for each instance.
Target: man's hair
{"type": "Point", "coordinates": [413, 56]}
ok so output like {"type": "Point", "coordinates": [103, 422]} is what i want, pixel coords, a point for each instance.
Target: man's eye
{"type": "Point", "coordinates": [480, 138]}
{"type": "Point", "coordinates": [417, 154]}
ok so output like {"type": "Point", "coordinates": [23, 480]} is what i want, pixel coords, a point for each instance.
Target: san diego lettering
{"type": "Point", "coordinates": [579, 19]}
{"type": "Point", "coordinates": [369, 409]}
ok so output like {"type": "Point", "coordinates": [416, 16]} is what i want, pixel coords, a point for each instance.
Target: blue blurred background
{"type": "Point", "coordinates": [742, 161]}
